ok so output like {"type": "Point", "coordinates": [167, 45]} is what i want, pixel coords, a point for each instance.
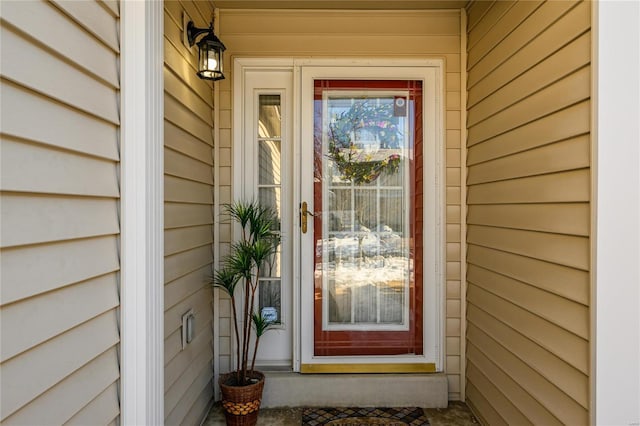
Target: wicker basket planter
{"type": "Point", "coordinates": [241, 403]}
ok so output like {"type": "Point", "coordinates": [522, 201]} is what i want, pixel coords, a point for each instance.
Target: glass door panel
{"type": "Point", "coordinates": [269, 140]}
{"type": "Point", "coordinates": [368, 217]}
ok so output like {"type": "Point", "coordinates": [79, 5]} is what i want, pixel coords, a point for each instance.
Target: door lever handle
{"type": "Point", "coordinates": [304, 212]}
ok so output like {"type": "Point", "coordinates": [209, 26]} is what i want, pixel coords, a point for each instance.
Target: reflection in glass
{"type": "Point", "coordinates": [269, 118]}
{"type": "Point", "coordinates": [366, 204]}
{"type": "Point", "coordinates": [269, 162]}
{"type": "Point", "coordinates": [269, 182]}
{"type": "Point", "coordinates": [340, 210]}
{"type": "Point", "coordinates": [366, 266]}
{"type": "Point", "coordinates": [339, 303]}
{"type": "Point", "coordinates": [272, 268]}
{"type": "Point", "coordinates": [364, 137]}
{"type": "Point", "coordinates": [270, 197]}
{"type": "Point", "coordinates": [366, 303]}
{"type": "Point", "coordinates": [393, 179]}
{"type": "Point", "coordinates": [391, 297]}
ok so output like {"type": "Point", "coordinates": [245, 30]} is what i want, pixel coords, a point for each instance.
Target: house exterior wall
{"type": "Point", "coordinates": [188, 181]}
{"type": "Point", "coordinates": [60, 225]}
{"type": "Point", "coordinates": [362, 34]}
{"type": "Point", "coordinates": [528, 186]}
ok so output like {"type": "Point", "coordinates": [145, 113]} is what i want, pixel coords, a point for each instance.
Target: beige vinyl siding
{"type": "Point", "coordinates": [59, 187]}
{"type": "Point", "coordinates": [528, 195]}
{"type": "Point", "coordinates": [188, 186]}
{"type": "Point", "coordinates": [326, 33]}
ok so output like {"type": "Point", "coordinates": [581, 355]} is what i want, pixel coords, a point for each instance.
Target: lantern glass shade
{"type": "Point", "coordinates": [210, 65]}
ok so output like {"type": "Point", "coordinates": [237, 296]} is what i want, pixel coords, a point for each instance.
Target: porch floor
{"type": "Point", "coordinates": [457, 413]}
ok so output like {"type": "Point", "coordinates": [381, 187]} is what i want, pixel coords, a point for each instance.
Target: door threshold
{"type": "Point", "coordinates": [274, 368]}
{"type": "Point", "coordinates": [374, 368]}
{"type": "Point", "coordinates": [289, 389]}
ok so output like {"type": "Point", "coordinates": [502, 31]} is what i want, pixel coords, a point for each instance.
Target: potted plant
{"type": "Point", "coordinates": [239, 278]}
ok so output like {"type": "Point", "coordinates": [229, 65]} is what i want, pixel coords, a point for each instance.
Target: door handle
{"type": "Point", "coordinates": [304, 212]}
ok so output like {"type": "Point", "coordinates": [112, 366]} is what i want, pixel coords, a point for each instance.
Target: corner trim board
{"type": "Point", "coordinates": [142, 214]}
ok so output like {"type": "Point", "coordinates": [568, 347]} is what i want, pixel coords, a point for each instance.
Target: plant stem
{"type": "Point", "coordinates": [235, 325]}
{"type": "Point", "coordinates": [255, 352]}
{"type": "Point", "coordinates": [245, 334]}
{"type": "Point", "coordinates": [253, 294]}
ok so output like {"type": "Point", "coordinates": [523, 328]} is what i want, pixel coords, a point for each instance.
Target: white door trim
{"type": "Point", "coordinates": [142, 218]}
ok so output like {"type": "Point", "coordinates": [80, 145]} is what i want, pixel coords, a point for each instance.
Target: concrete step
{"type": "Point", "coordinates": [287, 389]}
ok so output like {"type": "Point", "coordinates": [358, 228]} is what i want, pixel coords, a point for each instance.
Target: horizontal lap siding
{"type": "Point", "coordinates": [398, 34]}
{"type": "Point", "coordinates": [59, 213]}
{"type": "Point", "coordinates": [528, 194]}
{"type": "Point", "coordinates": [188, 187]}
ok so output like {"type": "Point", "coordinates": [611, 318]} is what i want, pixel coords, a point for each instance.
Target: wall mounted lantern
{"type": "Point", "coordinates": [210, 50]}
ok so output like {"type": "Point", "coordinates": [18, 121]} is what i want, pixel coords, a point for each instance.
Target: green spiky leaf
{"type": "Point", "coordinates": [260, 324]}
{"type": "Point", "coordinates": [240, 261]}
{"type": "Point", "coordinates": [241, 211]}
{"type": "Point", "coordinates": [226, 279]}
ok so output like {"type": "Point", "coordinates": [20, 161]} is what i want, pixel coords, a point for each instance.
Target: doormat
{"type": "Point", "coordinates": [352, 416]}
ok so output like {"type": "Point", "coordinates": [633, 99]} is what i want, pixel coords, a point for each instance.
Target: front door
{"type": "Point", "coordinates": [350, 157]}
{"type": "Point", "coordinates": [367, 222]}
